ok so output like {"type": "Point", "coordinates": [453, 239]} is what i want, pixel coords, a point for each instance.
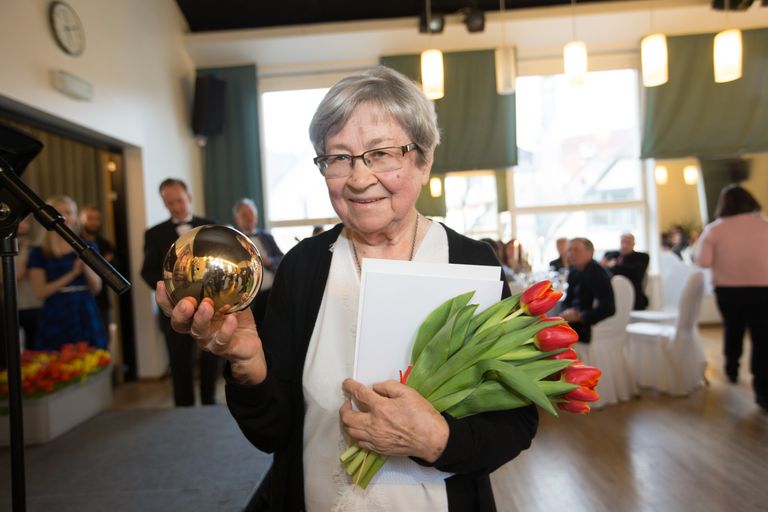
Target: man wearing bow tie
{"type": "Point", "coordinates": [181, 347]}
{"type": "Point", "coordinates": [247, 218]}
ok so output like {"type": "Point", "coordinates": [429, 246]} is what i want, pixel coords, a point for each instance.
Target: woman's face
{"type": "Point", "coordinates": [372, 203]}
{"type": "Point", "coordinates": [69, 212]}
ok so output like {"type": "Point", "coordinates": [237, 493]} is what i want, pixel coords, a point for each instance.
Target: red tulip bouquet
{"type": "Point", "coordinates": [511, 355]}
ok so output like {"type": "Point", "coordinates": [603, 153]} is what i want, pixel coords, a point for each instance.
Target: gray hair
{"type": "Point", "coordinates": [396, 94]}
{"type": "Point", "coordinates": [244, 202]}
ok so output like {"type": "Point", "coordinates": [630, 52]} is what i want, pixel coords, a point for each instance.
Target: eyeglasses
{"type": "Point", "coordinates": [377, 160]}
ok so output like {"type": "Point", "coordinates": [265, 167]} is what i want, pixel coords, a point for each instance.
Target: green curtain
{"type": "Point", "coordinates": [693, 115]}
{"type": "Point", "coordinates": [477, 125]}
{"type": "Point", "coordinates": [232, 159]}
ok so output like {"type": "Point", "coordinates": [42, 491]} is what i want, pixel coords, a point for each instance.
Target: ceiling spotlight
{"type": "Point", "coordinates": [474, 19]}
{"type": "Point", "coordinates": [436, 23]}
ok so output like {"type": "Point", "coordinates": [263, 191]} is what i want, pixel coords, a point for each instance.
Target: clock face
{"type": "Point", "coordinates": [67, 28]}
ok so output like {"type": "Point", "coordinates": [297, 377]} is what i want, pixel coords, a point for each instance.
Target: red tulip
{"type": "Point", "coordinates": [539, 298]}
{"type": "Point", "coordinates": [576, 407]}
{"type": "Point", "coordinates": [569, 354]}
{"type": "Point", "coordinates": [587, 376]}
{"type": "Point", "coordinates": [583, 394]}
{"type": "Point", "coordinates": [555, 337]}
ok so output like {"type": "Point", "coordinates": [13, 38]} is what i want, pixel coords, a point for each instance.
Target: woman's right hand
{"type": "Point", "coordinates": [233, 337]}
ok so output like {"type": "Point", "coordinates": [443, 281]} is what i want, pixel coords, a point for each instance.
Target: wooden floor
{"type": "Point", "coordinates": [706, 452]}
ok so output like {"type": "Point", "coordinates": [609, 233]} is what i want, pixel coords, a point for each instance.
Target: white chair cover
{"type": "Point", "coordinates": [670, 358]}
{"type": "Point", "coordinates": [673, 275]}
{"type": "Point", "coordinates": [607, 348]}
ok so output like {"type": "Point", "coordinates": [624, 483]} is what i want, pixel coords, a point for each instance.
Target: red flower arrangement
{"type": "Point", "coordinates": [44, 372]}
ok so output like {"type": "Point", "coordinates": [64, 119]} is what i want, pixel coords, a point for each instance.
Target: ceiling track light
{"type": "Point", "coordinates": [474, 19]}
{"type": "Point", "coordinates": [432, 23]}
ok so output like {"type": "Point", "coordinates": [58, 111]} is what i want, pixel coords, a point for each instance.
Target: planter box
{"type": "Point", "coordinates": [50, 416]}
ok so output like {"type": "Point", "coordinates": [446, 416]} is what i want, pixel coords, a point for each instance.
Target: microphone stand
{"type": "Point", "coordinates": [17, 200]}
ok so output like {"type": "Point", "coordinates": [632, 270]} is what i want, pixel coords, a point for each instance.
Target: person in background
{"type": "Point", "coordinates": [497, 246]}
{"type": "Point", "coordinates": [631, 264]}
{"type": "Point", "coordinates": [735, 247]}
{"type": "Point", "coordinates": [90, 224]}
{"type": "Point", "coordinates": [514, 262]}
{"type": "Point", "coordinates": [561, 262]}
{"type": "Point", "coordinates": [181, 347]}
{"type": "Point", "coordinates": [288, 384]}
{"type": "Point", "coordinates": [28, 303]}
{"type": "Point", "coordinates": [316, 230]}
{"type": "Point", "coordinates": [67, 286]}
{"type": "Point", "coordinates": [590, 296]}
{"type": "Point", "coordinates": [246, 219]}
{"type": "Point", "coordinates": [679, 240]}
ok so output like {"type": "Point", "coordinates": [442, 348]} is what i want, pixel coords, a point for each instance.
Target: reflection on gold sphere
{"type": "Point", "coordinates": [217, 262]}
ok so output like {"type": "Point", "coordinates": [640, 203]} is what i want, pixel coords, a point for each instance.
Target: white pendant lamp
{"type": "Point", "coordinates": [575, 55]}
{"type": "Point", "coordinates": [661, 175]}
{"type": "Point", "coordinates": [506, 61]}
{"type": "Point", "coordinates": [506, 69]}
{"type": "Point", "coordinates": [575, 60]}
{"type": "Point", "coordinates": [727, 55]}
{"type": "Point", "coordinates": [653, 54]}
{"type": "Point", "coordinates": [690, 174]}
{"type": "Point", "coordinates": [435, 187]}
{"type": "Point", "coordinates": [432, 74]}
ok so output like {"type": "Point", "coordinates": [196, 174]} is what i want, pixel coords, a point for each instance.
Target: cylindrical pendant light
{"type": "Point", "coordinates": [653, 53]}
{"type": "Point", "coordinates": [506, 69]}
{"type": "Point", "coordinates": [432, 74]}
{"type": "Point", "coordinates": [575, 59]}
{"type": "Point", "coordinates": [661, 174]}
{"type": "Point", "coordinates": [435, 187]}
{"type": "Point", "coordinates": [690, 174]}
{"type": "Point", "coordinates": [727, 55]}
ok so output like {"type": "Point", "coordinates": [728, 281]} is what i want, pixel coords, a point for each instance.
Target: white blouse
{"type": "Point", "coordinates": [401, 484]}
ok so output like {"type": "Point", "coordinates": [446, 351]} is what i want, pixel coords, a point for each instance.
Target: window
{"type": "Point", "coordinates": [470, 201]}
{"type": "Point", "coordinates": [296, 192]}
{"type": "Point", "coordinates": [579, 171]}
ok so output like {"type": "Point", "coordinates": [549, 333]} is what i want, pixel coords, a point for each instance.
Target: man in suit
{"type": "Point", "coordinates": [631, 264]}
{"type": "Point", "coordinates": [181, 347]}
{"type": "Point", "coordinates": [561, 261]}
{"type": "Point", "coordinates": [590, 295]}
{"type": "Point", "coordinates": [246, 219]}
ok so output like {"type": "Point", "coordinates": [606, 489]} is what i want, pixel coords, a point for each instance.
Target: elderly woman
{"type": "Point", "coordinates": [288, 386]}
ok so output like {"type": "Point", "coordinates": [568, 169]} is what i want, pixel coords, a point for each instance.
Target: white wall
{"type": "Point", "coordinates": [142, 78]}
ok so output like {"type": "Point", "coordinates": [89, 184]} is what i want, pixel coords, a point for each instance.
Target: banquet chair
{"type": "Point", "coordinates": [670, 358]}
{"type": "Point", "coordinates": [674, 273]}
{"type": "Point", "coordinates": [607, 350]}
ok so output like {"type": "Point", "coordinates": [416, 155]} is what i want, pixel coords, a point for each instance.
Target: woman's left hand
{"type": "Point", "coordinates": [393, 419]}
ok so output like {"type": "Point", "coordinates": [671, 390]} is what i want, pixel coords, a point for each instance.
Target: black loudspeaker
{"type": "Point", "coordinates": [209, 106]}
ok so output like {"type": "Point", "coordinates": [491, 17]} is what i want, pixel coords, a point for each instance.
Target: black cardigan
{"type": "Point", "coordinates": [271, 414]}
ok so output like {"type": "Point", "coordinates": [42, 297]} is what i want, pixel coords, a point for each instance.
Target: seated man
{"type": "Point", "coordinates": [590, 296]}
{"type": "Point", "coordinates": [561, 261]}
{"type": "Point", "coordinates": [631, 264]}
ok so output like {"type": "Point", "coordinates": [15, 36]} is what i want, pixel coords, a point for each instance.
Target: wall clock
{"type": "Point", "coordinates": [67, 29]}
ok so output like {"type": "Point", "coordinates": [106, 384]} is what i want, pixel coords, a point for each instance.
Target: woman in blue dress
{"type": "Point", "coordinates": [68, 286]}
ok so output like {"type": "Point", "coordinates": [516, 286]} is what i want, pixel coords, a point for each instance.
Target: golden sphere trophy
{"type": "Point", "coordinates": [214, 262]}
